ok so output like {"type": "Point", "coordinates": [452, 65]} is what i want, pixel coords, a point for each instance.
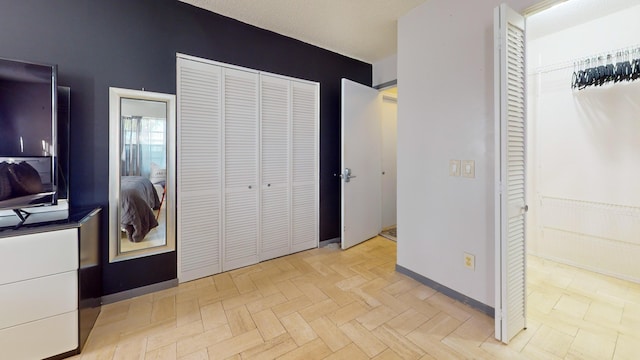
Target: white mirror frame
{"type": "Point", "coordinates": [115, 96]}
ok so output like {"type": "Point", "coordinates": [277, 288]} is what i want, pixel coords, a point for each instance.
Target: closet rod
{"type": "Point", "coordinates": [572, 63]}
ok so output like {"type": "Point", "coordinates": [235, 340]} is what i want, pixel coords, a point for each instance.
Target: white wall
{"type": "Point", "coordinates": [385, 70]}
{"type": "Point", "coordinates": [585, 147]}
{"type": "Point", "coordinates": [445, 111]}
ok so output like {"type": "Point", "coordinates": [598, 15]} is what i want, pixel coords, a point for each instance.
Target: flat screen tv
{"type": "Point", "coordinates": [28, 104]}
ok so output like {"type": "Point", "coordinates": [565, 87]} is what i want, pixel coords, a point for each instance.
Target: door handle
{"type": "Point", "coordinates": [346, 175]}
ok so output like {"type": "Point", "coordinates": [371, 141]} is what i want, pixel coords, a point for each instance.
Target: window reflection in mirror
{"type": "Point", "coordinates": [143, 168]}
{"type": "Point", "coordinates": [142, 164]}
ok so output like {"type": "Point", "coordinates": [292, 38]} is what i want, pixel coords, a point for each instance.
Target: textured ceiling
{"type": "Point", "coordinates": [362, 29]}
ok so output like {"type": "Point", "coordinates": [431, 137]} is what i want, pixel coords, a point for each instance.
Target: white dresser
{"type": "Point", "coordinates": [39, 292]}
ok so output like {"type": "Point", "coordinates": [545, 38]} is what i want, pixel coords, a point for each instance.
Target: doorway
{"type": "Point", "coordinates": [368, 174]}
{"type": "Point", "coordinates": [389, 99]}
{"type": "Point", "coordinates": [584, 208]}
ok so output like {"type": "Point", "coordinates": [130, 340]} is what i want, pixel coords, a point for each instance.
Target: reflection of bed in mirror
{"type": "Point", "coordinates": [139, 199]}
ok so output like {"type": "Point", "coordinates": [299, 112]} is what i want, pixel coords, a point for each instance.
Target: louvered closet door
{"type": "Point", "coordinates": [241, 187]}
{"type": "Point", "coordinates": [304, 154]}
{"type": "Point", "coordinates": [274, 128]}
{"type": "Point", "coordinates": [199, 165]}
{"type": "Point", "coordinates": [511, 299]}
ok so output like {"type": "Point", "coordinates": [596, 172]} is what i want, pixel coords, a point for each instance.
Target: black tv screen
{"type": "Point", "coordinates": [27, 134]}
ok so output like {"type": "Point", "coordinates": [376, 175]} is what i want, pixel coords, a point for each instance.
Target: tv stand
{"type": "Point", "coordinates": [23, 215]}
{"type": "Point", "coordinates": [50, 285]}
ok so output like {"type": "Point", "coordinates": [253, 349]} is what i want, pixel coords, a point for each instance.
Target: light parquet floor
{"type": "Point", "coordinates": [332, 304]}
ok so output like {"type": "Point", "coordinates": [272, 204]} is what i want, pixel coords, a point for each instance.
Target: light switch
{"type": "Point", "coordinates": [469, 168]}
{"type": "Point", "coordinates": [454, 167]}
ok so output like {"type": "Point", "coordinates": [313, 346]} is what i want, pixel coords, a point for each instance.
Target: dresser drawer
{"type": "Point", "coordinates": [38, 298]}
{"type": "Point", "coordinates": [34, 255]}
{"type": "Point", "coordinates": [40, 339]}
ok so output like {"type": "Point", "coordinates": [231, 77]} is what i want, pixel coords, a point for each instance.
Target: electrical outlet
{"type": "Point", "coordinates": [454, 167]}
{"type": "Point", "coordinates": [469, 261]}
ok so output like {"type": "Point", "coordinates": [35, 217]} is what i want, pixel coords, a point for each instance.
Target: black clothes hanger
{"type": "Point", "coordinates": [598, 71]}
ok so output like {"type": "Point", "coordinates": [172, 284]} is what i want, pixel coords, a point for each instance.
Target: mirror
{"type": "Point", "coordinates": [141, 173]}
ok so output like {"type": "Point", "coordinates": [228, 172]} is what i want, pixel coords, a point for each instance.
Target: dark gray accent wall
{"type": "Point", "coordinates": [133, 44]}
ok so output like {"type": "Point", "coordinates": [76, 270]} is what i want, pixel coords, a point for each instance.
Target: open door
{"type": "Point", "coordinates": [510, 130]}
{"type": "Point", "coordinates": [361, 163]}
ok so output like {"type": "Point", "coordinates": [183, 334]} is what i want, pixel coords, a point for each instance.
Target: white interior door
{"type": "Point", "coordinates": [305, 130]}
{"type": "Point", "coordinates": [240, 109]}
{"type": "Point", "coordinates": [275, 124]}
{"type": "Point", "coordinates": [199, 167]}
{"type": "Point", "coordinates": [361, 159]}
{"type": "Point", "coordinates": [510, 109]}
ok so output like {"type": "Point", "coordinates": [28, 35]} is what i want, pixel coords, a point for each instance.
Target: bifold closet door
{"type": "Point", "coordinates": [198, 169]}
{"type": "Point", "coordinates": [275, 125]}
{"type": "Point", "coordinates": [241, 187]}
{"type": "Point", "coordinates": [304, 155]}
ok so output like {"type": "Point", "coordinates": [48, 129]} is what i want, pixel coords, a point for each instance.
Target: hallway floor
{"type": "Point", "coordinates": [332, 304]}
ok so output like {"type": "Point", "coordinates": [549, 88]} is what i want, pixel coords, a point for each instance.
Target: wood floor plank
{"type": "Point", "coordinates": [376, 317]}
{"type": "Point", "coordinates": [338, 295]}
{"type": "Point", "coordinates": [349, 312]}
{"type": "Point", "coordinates": [407, 321]}
{"type": "Point", "coordinates": [201, 354]}
{"type": "Point", "coordinates": [349, 352]}
{"type": "Point", "coordinates": [187, 312]}
{"type": "Point", "coordinates": [398, 343]}
{"type": "Point", "coordinates": [313, 350]}
{"type": "Point", "coordinates": [268, 324]}
{"type": "Point", "coordinates": [134, 349]}
{"type": "Point", "coordinates": [244, 284]}
{"type": "Point", "coordinates": [167, 352]}
{"type": "Point", "coordinates": [223, 281]}
{"type": "Point", "coordinates": [240, 300]}
{"type": "Point", "coordinates": [240, 320]}
{"type": "Point", "coordinates": [362, 337]}
{"type": "Point", "coordinates": [435, 329]}
{"type": "Point", "coordinates": [270, 349]}
{"type": "Point", "coordinates": [319, 309]}
{"type": "Point", "coordinates": [235, 345]}
{"type": "Point", "coordinates": [388, 355]}
{"type": "Point", "coordinates": [289, 290]}
{"type": "Point", "coordinates": [173, 334]}
{"type": "Point", "coordinates": [292, 306]}
{"type": "Point", "coordinates": [266, 302]}
{"type": "Point", "coordinates": [298, 328]}
{"type": "Point", "coordinates": [191, 344]}
{"type": "Point", "coordinates": [213, 315]}
{"type": "Point", "coordinates": [163, 309]}
{"type": "Point", "coordinates": [330, 333]}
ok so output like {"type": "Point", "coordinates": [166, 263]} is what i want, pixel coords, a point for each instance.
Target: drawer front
{"type": "Point", "coordinates": [40, 339]}
{"type": "Point", "coordinates": [34, 255]}
{"type": "Point", "coordinates": [35, 299]}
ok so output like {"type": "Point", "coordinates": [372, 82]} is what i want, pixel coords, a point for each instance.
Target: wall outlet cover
{"type": "Point", "coordinates": [454, 167]}
{"type": "Point", "coordinates": [469, 261]}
